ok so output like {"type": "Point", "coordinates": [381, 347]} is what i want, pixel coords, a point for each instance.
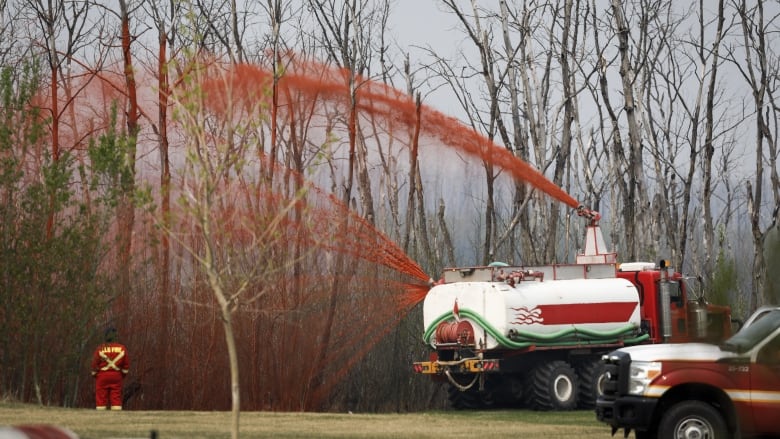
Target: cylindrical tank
{"type": "Point", "coordinates": [697, 320]}
{"type": "Point", "coordinates": [534, 310]}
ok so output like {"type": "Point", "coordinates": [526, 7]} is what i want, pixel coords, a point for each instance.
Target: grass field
{"type": "Point", "coordinates": [91, 424]}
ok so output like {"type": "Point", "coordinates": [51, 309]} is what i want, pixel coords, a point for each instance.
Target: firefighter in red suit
{"type": "Point", "coordinates": [110, 364]}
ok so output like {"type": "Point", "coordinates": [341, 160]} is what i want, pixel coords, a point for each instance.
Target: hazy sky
{"type": "Point", "coordinates": [421, 23]}
{"type": "Point", "coordinates": [417, 25]}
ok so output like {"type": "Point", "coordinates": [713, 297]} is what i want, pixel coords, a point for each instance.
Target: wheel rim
{"type": "Point", "coordinates": [600, 382]}
{"type": "Point", "coordinates": [694, 428]}
{"type": "Point", "coordinates": [563, 388]}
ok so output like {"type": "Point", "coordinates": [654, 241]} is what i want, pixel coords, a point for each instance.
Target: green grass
{"type": "Point", "coordinates": [91, 424]}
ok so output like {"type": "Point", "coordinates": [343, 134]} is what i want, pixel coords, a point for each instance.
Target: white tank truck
{"type": "Point", "coordinates": [533, 336]}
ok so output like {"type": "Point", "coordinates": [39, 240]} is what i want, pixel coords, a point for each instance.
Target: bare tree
{"type": "Point", "coordinates": [275, 10]}
{"type": "Point", "coordinates": [10, 18]}
{"type": "Point", "coordinates": [221, 126]}
{"type": "Point", "coordinates": [52, 17]}
{"type": "Point", "coordinates": [668, 113]}
{"type": "Point", "coordinates": [497, 70]}
{"type": "Point", "coordinates": [610, 131]}
{"type": "Point", "coordinates": [126, 206]}
{"type": "Point", "coordinates": [531, 83]}
{"type": "Point", "coordinates": [758, 66]}
{"type": "Point", "coordinates": [636, 198]}
{"type": "Point", "coordinates": [166, 18]}
{"type": "Point", "coordinates": [709, 131]}
{"type": "Point", "coordinates": [680, 99]}
{"type": "Point", "coordinates": [346, 38]}
{"type": "Point", "coordinates": [517, 136]}
{"type": "Point", "coordinates": [223, 23]}
{"type": "Point", "coordinates": [481, 38]}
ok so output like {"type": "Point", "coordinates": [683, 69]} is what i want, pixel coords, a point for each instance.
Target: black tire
{"type": "Point", "coordinates": [553, 386]}
{"type": "Point", "coordinates": [462, 400]}
{"type": "Point", "coordinates": [684, 419]}
{"type": "Point", "coordinates": [515, 391]}
{"type": "Point", "coordinates": [507, 391]}
{"type": "Point", "coordinates": [471, 399]}
{"type": "Point", "coordinates": [591, 375]}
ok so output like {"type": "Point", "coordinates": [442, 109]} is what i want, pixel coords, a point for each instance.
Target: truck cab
{"type": "Point", "coordinates": [698, 390]}
{"type": "Point", "coordinates": [670, 312]}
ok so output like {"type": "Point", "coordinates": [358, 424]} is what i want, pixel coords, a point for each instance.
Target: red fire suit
{"type": "Point", "coordinates": [110, 364]}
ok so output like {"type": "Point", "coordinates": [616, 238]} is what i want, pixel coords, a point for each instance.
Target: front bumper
{"type": "Point", "coordinates": [630, 412]}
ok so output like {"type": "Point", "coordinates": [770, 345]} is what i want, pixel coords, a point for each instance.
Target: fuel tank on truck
{"type": "Point", "coordinates": [553, 313]}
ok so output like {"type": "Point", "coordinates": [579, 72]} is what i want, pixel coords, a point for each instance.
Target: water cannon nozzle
{"type": "Point", "coordinates": [592, 215]}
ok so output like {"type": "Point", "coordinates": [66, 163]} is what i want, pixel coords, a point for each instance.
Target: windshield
{"type": "Point", "coordinates": [693, 286]}
{"type": "Point", "coordinates": [748, 336]}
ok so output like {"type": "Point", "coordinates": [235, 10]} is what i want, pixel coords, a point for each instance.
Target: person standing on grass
{"type": "Point", "coordinates": [110, 364]}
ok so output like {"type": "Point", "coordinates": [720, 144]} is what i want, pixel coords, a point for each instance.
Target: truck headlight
{"type": "Point", "coordinates": [642, 373]}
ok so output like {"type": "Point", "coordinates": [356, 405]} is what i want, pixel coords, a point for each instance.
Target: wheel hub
{"type": "Point", "coordinates": [693, 429]}
{"type": "Point", "coordinates": [563, 388]}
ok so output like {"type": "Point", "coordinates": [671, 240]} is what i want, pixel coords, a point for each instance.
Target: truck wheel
{"type": "Point", "coordinates": [692, 420]}
{"type": "Point", "coordinates": [553, 386]}
{"type": "Point", "coordinates": [462, 400]}
{"type": "Point", "coordinates": [471, 399]}
{"type": "Point", "coordinates": [591, 375]}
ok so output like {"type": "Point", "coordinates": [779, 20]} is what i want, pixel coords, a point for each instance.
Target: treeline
{"type": "Point", "coordinates": [251, 187]}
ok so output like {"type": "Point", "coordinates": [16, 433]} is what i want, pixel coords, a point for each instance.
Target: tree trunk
{"type": "Point", "coordinates": [636, 197]}
{"type": "Point", "coordinates": [125, 208]}
{"type": "Point", "coordinates": [709, 150]}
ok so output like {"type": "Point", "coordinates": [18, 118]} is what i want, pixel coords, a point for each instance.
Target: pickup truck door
{"type": "Point", "coordinates": [765, 388]}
